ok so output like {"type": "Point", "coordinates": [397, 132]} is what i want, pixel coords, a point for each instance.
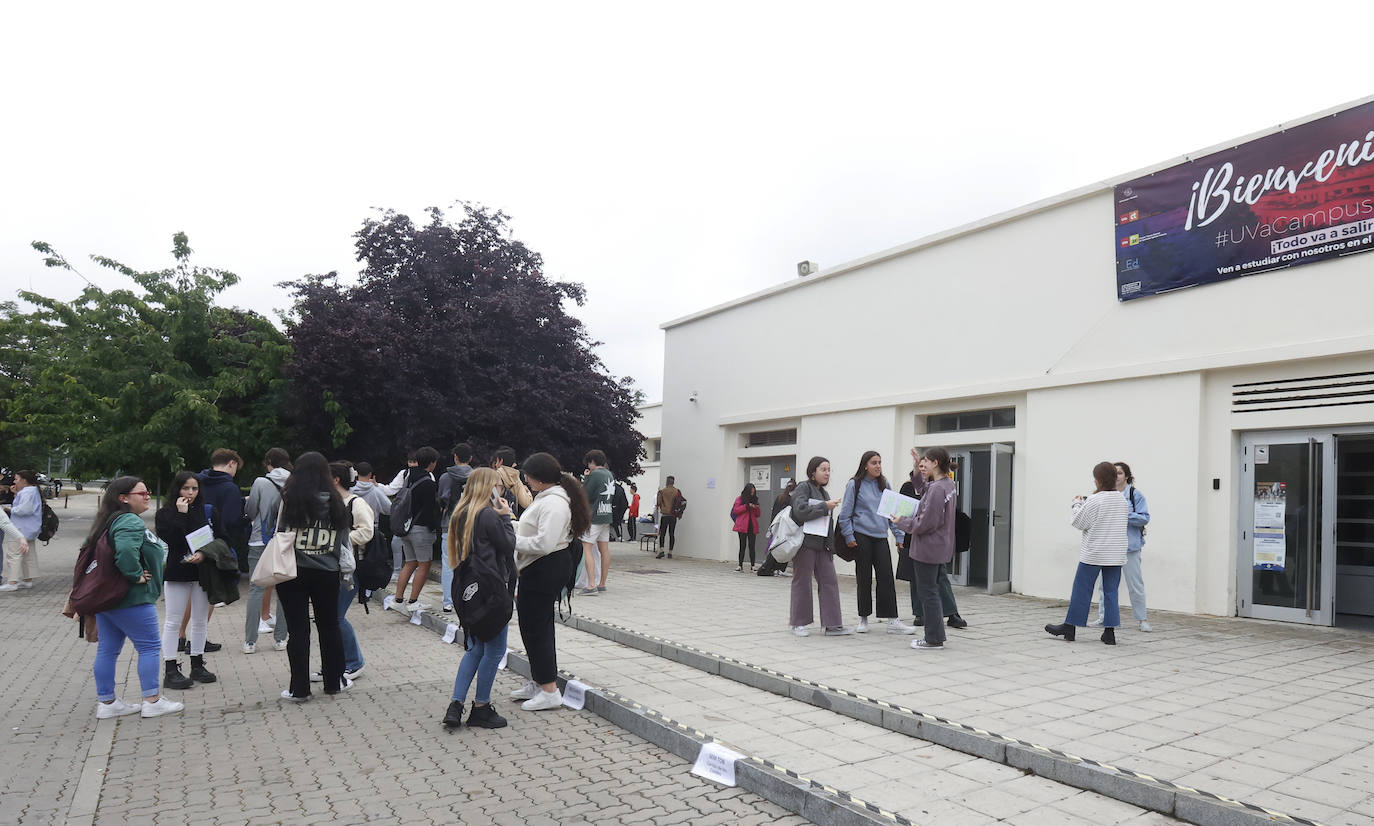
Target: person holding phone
{"type": "Point", "coordinates": [1102, 520]}
{"type": "Point", "coordinates": [175, 521]}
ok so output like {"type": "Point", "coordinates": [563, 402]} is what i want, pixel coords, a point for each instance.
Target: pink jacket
{"type": "Point", "coordinates": [746, 516]}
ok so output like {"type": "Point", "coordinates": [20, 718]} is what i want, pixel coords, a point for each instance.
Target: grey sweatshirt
{"type": "Point", "coordinates": [264, 500]}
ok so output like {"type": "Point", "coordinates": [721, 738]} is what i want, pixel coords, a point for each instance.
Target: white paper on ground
{"type": "Point", "coordinates": [387, 601]}
{"type": "Point", "coordinates": [820, 526]}
{"type": "Point", "coordinates": [415, 617]}
{"type": "Point", "coordinates": [501, 666]}
{"type": "Point", "coordinates": [574, 695]}
{"type": "Point", "coordinates": [450, 632]}
{"type": "Point", "coordinates": [200, 537]}
{"type": "Point", "coordinates": [716, 762]}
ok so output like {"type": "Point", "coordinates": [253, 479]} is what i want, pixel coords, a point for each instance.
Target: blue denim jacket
{"type": "Point", "coordinates": [1138, 518]}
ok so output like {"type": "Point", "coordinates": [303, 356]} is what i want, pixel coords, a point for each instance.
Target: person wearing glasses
{"type": "Point", "coordinates": [138, 554]}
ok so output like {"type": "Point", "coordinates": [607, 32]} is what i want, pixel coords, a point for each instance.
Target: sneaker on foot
{"type": "Point", "coordinates": [356, 673]}
{"type": "Point", "coordinates": [922, 645]}
{"type": "Point", "coordinates": [601, 589]}
{"type": "Point", "coordinates": [1097, 623]}
{"type": "Point", "coordinates": [280, 646]}
{"type": "Point", "coordinates": [289, 697]}
{"type": "Point", "coordinates": [486, 717]}
{"type": "Point", "coordinates": [161, 707]}
{"type": "Point", "coordinates": [1145, 626]}
{"type": "Point", "coordinates": [412, 607]}
{"type": "Point", "coordinates": [4, 588]}
{"type": "Point", "coordinates": [14, 586]}
{"type": "Point", "coordinates": [739, 569]}
{"type": "Point", "coordinates": [116, 708]}
{"type": "Point", "coordinates": [526, 691]}
{"type": "Point", "coordinates": [317, 676]}
{"type": "Point", "coordinates": [839, 631]}
{"type": "Point", "coordinates": [956, 621]}
{"type": "Point", "coordinates": [862, 627]}
{"type": "Point", "coordinates": [250, 647]}
{"type": "Point", "coordinates": [544, 701]}
{"type": "Point", "coordinates": [263, 627]}
{"type": "Point", "coordinates": [343, 686]}
{"type": "Point", "coordinates": [453, 717]}
{"type": "Point", "coordinates": [896, 626]}
{"type": "Point", "coordinates": [587, 592]}
{"type": "Point", "coordinates": [448, 608]}
{"type": "Point", "coordinates": [28, 583]}
{"type": "Point", "coordinates": [801, 631]}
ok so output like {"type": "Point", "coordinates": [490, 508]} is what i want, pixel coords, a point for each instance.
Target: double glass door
{"type": "Point", "coordinates": [982, 476]}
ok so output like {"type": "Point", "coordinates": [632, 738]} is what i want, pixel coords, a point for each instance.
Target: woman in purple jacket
{"type": "Point", "coordinates": [746, 513]}
{"type": "Point", "coordinates": [932, 541]}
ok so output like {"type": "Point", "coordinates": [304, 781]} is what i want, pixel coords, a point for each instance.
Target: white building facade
{"type": "Point", "coordinates": [1005, 342]}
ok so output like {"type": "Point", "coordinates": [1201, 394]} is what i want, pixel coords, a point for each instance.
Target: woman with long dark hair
{"type": "Point", "coordinates": [746, 512]}
{"type": "Point", "coordinates": [138, 555]}
{"type": "Point", "coordinates": [865, 532]}
{"type": "Point", "coordinates": [932, 542]}
{"type": "Point", "coordinates": [181, 580]}
{"type": "Point", "coordinates": [1102, 520]}
{"type": "Point", "coordinates": [313, 509]}
{"type": "Point", "coordinates": [811, 502]}
{"type": "Point", "coordinates": [480, 530]}
{"type": "Point", "coordinates": [547, 528]}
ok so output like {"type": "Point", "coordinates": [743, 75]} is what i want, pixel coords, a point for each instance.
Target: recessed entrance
{"type": "Point", "coordinates": [982, 475]}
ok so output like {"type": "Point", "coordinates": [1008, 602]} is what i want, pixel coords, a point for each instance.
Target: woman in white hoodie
{"type": "Point", "coordinates": [547, 529]}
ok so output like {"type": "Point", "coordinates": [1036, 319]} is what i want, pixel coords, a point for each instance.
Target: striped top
{"type": "Point", "coordinates": [1102, 519]}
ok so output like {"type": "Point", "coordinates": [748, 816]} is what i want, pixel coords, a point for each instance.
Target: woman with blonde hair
{"type": "Point", "coordinates": [480, 535]}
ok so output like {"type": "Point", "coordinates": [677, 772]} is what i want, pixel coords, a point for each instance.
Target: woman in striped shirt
{"type": "Point", "coordinates": [1102, 519]}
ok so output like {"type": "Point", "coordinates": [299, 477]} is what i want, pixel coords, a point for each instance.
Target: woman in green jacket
{"type": "Point", "coordinates": [140, 556]}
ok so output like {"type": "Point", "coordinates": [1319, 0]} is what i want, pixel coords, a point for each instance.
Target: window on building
{"type": "Point", "coordinates": [770, 438]}
{"type": "Point", "coordinates": [971, 420]}
{"type": "Point", "coordinates": [655, 449]}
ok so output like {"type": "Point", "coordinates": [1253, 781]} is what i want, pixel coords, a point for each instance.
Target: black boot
{"type": "Point", "coordinates": [485, 717]}
{"type": "Point", "coordinates": [183, 647]}
{"type": "Point", "coordinates": [173, 678]}
{"type": "Point", "coordinates": [660, 555]}
{"type": "Point", "coordinates": [453, 718]}
{"type": "Point", "coordinates": [210, 647]}
{"type": "Point", "coordinates": [1109, 636]}
{"type": "Point", "coordinates": [1062, 630]}
{"type": "Point", "coordinates": [956, 621]}
{"type": "Point", "coordinates": [198, 670]}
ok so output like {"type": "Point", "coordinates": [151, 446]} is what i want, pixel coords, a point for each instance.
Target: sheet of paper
{"type": "Point", "coordinates": [450, 632]}
{"type": "Point", "coordinates": [415, 617]}
{"type": "Point", "coordinates": [896, 503]}
{"type": "Point", "coordinates": [574, 695]}
{"type": "Point", "coordinates": [501, 666]}
{"type": "Point", "coordinates": [200, 537]}
{"type": "Point", "coordinates": [820, 526]}
{"type": "Point", "coordinates": [387, 601]}
{"type": "Point", "coordinates": [716, 762]}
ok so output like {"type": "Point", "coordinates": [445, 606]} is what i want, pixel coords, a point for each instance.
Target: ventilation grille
{"type": "Point", "coordinates": [770, 438]}
{"type": "Point", "coordinates": [1341, 390]}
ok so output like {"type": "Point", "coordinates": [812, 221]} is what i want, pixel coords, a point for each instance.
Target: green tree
{"type": "Point", "coordinates": [148, 380]}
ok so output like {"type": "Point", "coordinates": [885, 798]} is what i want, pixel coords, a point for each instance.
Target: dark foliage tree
{"type": "Point", "coordinates": [452, 333]}
{"type": "Point", "coordinates": [148, 380]}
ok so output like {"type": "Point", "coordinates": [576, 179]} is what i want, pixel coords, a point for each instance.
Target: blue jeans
{"type": "Point", "coordinates": [353, 655]}
{"type": "Point", "coordinates": [1082, 598]}
{"type": "Point", "coordinates": [445, 572]}
{"type": "Point", "coordinates": [480, 660]}
{"type": "Point", "coordinates": [137, 623]}
{"type": "Point", "coordinates": [254, 605]}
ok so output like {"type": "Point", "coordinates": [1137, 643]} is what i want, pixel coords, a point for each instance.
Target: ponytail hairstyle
{"type": "Point", "coordinates": [477, 494]}
{"type": "Point", "coordinates": [940, 456]}
{"type": "Point", "coordinates": [545, 468]}
{"type": "Point", "coordinates": [110, 506]}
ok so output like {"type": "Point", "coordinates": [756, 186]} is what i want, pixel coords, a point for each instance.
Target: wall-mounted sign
{"type": "Point", "coordinates": [1296, 197]}
{"type": "Point", "coordinates": [760, 476]}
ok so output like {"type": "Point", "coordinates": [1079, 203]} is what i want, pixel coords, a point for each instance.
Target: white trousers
{"type": "Point", "coordinates": [1135, 586]}
{"type": "Point", "coordinates": [177, 595]}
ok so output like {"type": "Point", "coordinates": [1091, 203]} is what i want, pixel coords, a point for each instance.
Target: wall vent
{"type": "Point", "coordinates": [1339, 390]}
{"type": "Point", "coordinates": [771, 438]}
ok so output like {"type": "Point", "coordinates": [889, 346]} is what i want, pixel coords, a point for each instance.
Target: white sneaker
{"type": "Point", "coordinates": [526, 691]}
{"type": "Point", "coordinates": [280, 646]}
{"type": "Point", "coordinates": [264, 627]}
{"type": "Point", "coordinates": [28, 583]}
{"type": "Point", "coordinates": [839, 631]}
{"type": "Point", "coordinates": [316, 676]}
{"type": "Point", "coordinates": [1145, 626]}
{"type": "Point", "coordinates": [801, 631]}
{"type": "Point", "coordinates": [862, 627]}
{"type": "Point", "coordinates": [118, 708]}
{"type": "Point", "coordinates": [922, 645]}
{"type": "Point", "coordinates": [896, 626]}
{"type": "Point", "coordinates": [10, 586]}
{"type": "Point", "coordinates": [1097, 623]}
{"type": "Point", "coordinates": [271, 620]}
{"type": "Point", "coordinates": [345, 685]}
{"type": "Point", "coordinates": [412, 607]}
{"type": "Point", "coordinates": [250, 647]}
{"type": "Point", "coordinates": [353, 675]}
{"type": "Point", "coordinates": [544, 701]}
{"type": "Point", "coordinates": [161, 707]}
{"type": "Point", "coordinates": [289, 697]}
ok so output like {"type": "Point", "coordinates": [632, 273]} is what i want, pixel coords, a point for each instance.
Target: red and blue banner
{"type": "Point", "coordinates": [1296, 197]}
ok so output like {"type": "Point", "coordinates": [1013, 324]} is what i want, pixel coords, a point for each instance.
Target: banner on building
{"type": "Point", "coordinates": [1296, 197]}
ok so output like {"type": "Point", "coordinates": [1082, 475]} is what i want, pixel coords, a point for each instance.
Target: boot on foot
{"type": "Point", "coordinates": [173, 678]}
{"type": "Point", "coordinates": [199, 672]}
{"type": "Point", "coordinates": [453, 718]}
{"type": "Point", "coordinates": [1109, 636]}
{"type": "Point", "coordinates": [1062, 630]}
{"type": "Point", "coordinates": [484, 716]}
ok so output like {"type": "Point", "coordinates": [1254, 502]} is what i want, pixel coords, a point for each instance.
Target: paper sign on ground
{"type": "Point", "coordinates": [897, 503]}
{"type": "Point", "coordinates": [501, 666]}
{"type": "Point", "coordinates": [450, 632]}
{"type": "Point", "coordinates": [387, 601]}
{"type": "Point", "coordinates": [820, 526]}
{"type": "Point", "coordinates": [200, 537]}
{"type": "Point", "coordinates": [716, 762]}
{"type": "Point", "coordinates": [415, 617]}
{"type": "Point", "coordinates": [574, 695]}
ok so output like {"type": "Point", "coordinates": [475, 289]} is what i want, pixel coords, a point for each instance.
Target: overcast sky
{"type": "Point", "coordinates": [668, 159]}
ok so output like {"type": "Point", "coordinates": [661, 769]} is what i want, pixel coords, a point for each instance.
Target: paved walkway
{"type": "Point", "coordinates": [239, 755]}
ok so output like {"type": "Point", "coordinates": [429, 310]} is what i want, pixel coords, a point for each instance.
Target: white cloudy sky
{"type": "Point", "coordinates": [668, 159]}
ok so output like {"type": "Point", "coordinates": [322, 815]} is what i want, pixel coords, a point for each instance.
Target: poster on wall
{"type": "Point", "coordinates": [1296, 197]}
{"type": "Point", "coordinates": [1268, 527]}
{"type": "Point", "coordinates": [760, 476]}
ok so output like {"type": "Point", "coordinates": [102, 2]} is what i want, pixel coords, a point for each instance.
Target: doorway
{"type": "Point", "coordinates": [1307, 527]}
{"type": "Point", "coordinates": [982, 477]}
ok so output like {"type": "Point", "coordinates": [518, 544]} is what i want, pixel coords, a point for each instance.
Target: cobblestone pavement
{"type": "Point", "coordinates": [1272, 713]}
{"type": "Point", "coordinates": [378, 753]}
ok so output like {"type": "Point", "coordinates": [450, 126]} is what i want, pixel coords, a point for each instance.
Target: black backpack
{"type": "Point", "coordinates": [373, 563]}
{"type": "Point", "coordinates": [963, 531]}
{"type": "Point", "coordinates": [482, 599]}
{"type": "Point", "coordinates": [48, 528]}
{"type": "Point", "coordinates": [403, 506]}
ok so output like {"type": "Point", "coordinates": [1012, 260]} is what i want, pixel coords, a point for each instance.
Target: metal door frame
{"type": "Point", "coordinates": [999, 511]}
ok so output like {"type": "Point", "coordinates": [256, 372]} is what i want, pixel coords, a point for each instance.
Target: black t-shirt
{"type": "Point", "coordinates": [424, 500]}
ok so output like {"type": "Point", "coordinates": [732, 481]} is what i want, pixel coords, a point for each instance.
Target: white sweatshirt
{"type": "Point", "coordinates": [544, 527]}
{"type": "Point", "coordinates": [1102, 519]}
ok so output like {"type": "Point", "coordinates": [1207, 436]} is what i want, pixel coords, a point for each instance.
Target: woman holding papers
{"type": "Point", "coordinates": [811, 507]}
{"type": "Point", "coordinates": [932, 541]}
{"type": "Point", "coordinates": [177, 523]}
{"type": "Point", "coordinates": [866, 533]}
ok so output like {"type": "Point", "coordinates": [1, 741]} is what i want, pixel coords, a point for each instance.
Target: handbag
{"type": "Point", "coordinates": [97, 583]}
{"type": "Point", "coordinates": [278, 561]}
{"type": "Point", "coordinates": [837, 541]}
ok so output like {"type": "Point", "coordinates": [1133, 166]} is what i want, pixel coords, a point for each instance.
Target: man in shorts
{"type": "Point", "coordinates": [417, 546]}
{"type": "Point", "coordinates": [596, 543]}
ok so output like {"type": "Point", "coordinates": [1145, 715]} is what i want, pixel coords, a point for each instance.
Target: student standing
{"type": "Point", "coordinates": [667, 522]}
{"type": "Point", "coordinates": [361, 518]}
{"type": "Point", "coordinates": [932, 544]}
{"type": "Point", "coordinates": [633, 515]}
{"type": "Point", "coordinates": [26, 514]}
{"type": "Point", "coordinates": [451, 484]}
{"type": "Point", "coordinates": [417, 546]}
{"type": "Point", "coordinates": [596, 542]}
{"type": "Point", "coordinates": [1136, 520]}
{"type": "Point", "coordinates": [1101, 552]}
{"type": "Point", "coordinates": [866, 533]}
{"type": "Point", "coordinates": [181, 580]}
{"type": "Point", "coordinates": [745, 512]}
{"type": "Point", "coordinates": [811, 501]}
{"type": "Point", "coordinates": [547, 529]}
{"type": "Point", "coordinates": [261, 510]}
{"type": "Point", "coordinates": [915, 487]}
{"type": "Point", "coordinates": [480, 533]}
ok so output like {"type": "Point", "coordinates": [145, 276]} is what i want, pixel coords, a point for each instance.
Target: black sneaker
{"type": "Point", "coordinates": [174, 679]}
{"type": "Point", "coordinates": [453, 718]}
{"type": "Point", "coordinates": [210, 647]}
{"type": "Point", "coordinates": [660, 555]}
{"type": "Point", "coordinates": [956, 621]}
{"type": "Point", "coordinates": [485, 717]}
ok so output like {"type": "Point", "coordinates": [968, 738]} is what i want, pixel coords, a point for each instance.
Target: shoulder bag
{"type": "Point", "coordinates": [837, 540]}
{"type": "Point", "coordinates": [278, 561]}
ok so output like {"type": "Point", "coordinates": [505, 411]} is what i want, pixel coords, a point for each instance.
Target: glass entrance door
{"type": "Point", "coordinates": [961, 466]}
{"type": "Point", "coordinates": [1286, 562]}
{"type": "Point", "coordinates": [999, 521]}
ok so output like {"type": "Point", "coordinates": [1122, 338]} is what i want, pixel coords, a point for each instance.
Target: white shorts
{"type": "Point", "coordinates": [597, 533]}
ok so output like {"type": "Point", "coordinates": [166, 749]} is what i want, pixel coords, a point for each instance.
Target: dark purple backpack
{"type": "Point", "coordinates": [97, 583]}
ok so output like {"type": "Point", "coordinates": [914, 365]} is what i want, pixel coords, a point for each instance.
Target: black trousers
{"type": "Point", "coordinates": [667, 526]}
{"type": "Point", "coordinates": [318, 590]}
{"type": "Point", "coordinates": [746, 539]}
{"type": "Point", "coordinates": [948, 606]}
{"type": "Point", "coordinates": [873, 564]}
{"type": "Point", "coordinates": [630, 523]}
{"type": "Point", "coordinates": [928, 592]}
{"type": "Point", "coordinates": [536, 631]}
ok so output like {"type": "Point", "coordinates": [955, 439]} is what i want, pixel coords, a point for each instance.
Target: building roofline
{"type": "Point", "coordinates": [1052, 202]}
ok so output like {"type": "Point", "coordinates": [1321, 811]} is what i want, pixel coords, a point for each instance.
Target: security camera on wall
{"type": "Point", "coordinates": [692, 397]}
{"type": "Point", "coordinates": [805, 268]}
